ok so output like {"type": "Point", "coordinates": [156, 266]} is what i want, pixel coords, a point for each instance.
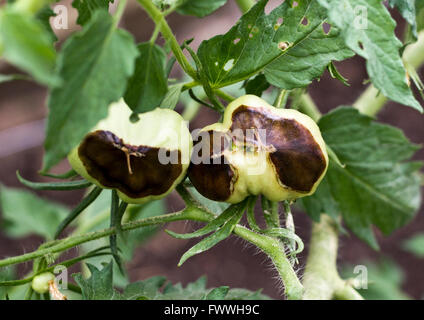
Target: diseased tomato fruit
{"type": "Point", "coordinates": [40, 283]}
{"type": "Point", "coordinates": [258, 149]}
{"type": "Point", "coordinates": [143, 161]}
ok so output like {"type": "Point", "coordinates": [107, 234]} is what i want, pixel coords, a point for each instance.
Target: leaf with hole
{"type": "Point", "coordinates": [368, 29]}
{"type": "Point", "coordinates": [289, 45]}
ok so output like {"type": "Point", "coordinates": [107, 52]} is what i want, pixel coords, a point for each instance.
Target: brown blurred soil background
{"type": "Point", "coordinates": [232, 262]}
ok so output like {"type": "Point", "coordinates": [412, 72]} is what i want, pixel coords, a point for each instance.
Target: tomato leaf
{"type": "Point", "coordinates": [415, 245]}
{"type": "Point", "coordinates": [44, 16]}
{"type": "Point", "coordinates": [289, 45]}
{"type": "Point", "coordinates": [99, 285]}
{"type": "Point", "coordinates": [376, 186]}
{"type": "Point", "coordinates": [214, 225]}
{"type": "Point", "coordinates": [222, 233]}
{"type": "Point", "coordinates": [86, 9]}
{"type": "Point", "coordinates": [172, 98]}
{"type": "Point", "coordinates": [408, 12]}
{"type": "Point", "coordinates": [200, 8]}
{"type": "Point", "coordinates": [24, 213]}
{"type": "Point", "coordinates": [368, 29]}
{"type": "Point", "coordinates": [94, 64]}
{"type": "Point", "coordinates": [148, 85]}
{"type": "Point", "coordinates": [257, 85]}
{"type": "Point", "coordinates": [27, 44]}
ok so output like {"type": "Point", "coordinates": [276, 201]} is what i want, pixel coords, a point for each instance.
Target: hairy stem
{"type": "Point", "coordinates": [372, 101]}
{"type": "Point", "coordinates": [73, 241]}
{"type": "Point", "coordinates": [321, 279]}
{"type": "Point", "coordinates": [275, 250]}
{"type": "Point", "coordinates": [160, 21]}
{"type": "Point", "coordinates": [269, 245]}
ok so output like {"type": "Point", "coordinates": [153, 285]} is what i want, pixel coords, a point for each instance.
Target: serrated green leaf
{"type": "Point", "coordinates": [243, 294]}
{"type": "Point", "coordinates": [218, 293]}
{"type": "Point", "coordinates": [376, 187]}
{"type": "Point", "coordinates": [197, 291]}
{"type": "Point", "coordinates": [24, 213]}
{"type": "Point", "coordinates": [415, 245]}
{"type": "Point", "coordinates": [27, 45]}
{"type": "Point", "coordinates": [222, 219]}
{"type": "Point", "coordinates": [308, 59]}
{"type": "Point", "coordinates": [257, 85]}
{"type": "Point", "coordinates": [200, 8]}
{"type": "Point", "coordinates": [289, 45]}
{"type": "Point", "coordinates": [213, 206]}
{"type": "Point", "coordinates": [148, 85]}
{"type": "Point", "coordinates": [419, 8]}
{"type": "Point", "coordinates": [95, 64]}
{"type": "Point", "coordinates": [221, 234]}
{"type": "Point", "coordinates": [172, 97]}
{"type": "Point", "coordinates": [144, 290]}
{"type": "Point", "coordinates": [372, 37]}
{"type": "Point", "coordinates": [44, 16]}
{"type": "Point", "coordinates": [6, 274]}
{"type": "Point", "coordinates": [99, 285]}
{"type": "Point", "coordinates": [407, 10]}
{"type": "Point", "coordinates": [87, 8]}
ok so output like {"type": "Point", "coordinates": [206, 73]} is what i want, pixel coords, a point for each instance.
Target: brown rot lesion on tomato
{"type": "Point", "coordinates": [210, 172]}
{"type": "Point", "coordinates": [298, 159]}
{"type": "Point", "coordinates": [143, 161]}
{"type": "Point", "coordinates": [133, 170]}
{"type": "Point", "coordinates": [275, 152]}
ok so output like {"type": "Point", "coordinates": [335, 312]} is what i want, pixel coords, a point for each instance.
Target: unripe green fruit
{"type": "Point", "coordinates": [143, 161]}
{"type": "Point", "coordinates": [259, 149]}
{"type": "Point", "coordinates": [40, 283]}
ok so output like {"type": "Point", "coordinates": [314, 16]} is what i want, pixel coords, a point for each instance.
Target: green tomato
{"type": "Point", "coordinates": [143, 161]}
{"type": "Point", "coordinates": [259, 149]}
{"type": "Point", "coordinates": [40, 283]}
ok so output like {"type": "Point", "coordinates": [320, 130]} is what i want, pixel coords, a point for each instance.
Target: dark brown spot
{"type": "Point", "coordinates": [105, 157]}
{"type": "Point", "coordinates": [297, 157]}
{"type": "Point", "coordinates": [212, 177]}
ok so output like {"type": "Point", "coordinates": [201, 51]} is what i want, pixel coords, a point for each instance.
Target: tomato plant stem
{"type": "Point", "coordinates": [159, 19]}
{"type": "Point", "coordinates": [269, 245]}
{"type": "Point", "coordinates": [308, 106]}
{"type": "Point", "coordinates": [275, 250]}
{"type": "Point", "coordinates": [321, 279]}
